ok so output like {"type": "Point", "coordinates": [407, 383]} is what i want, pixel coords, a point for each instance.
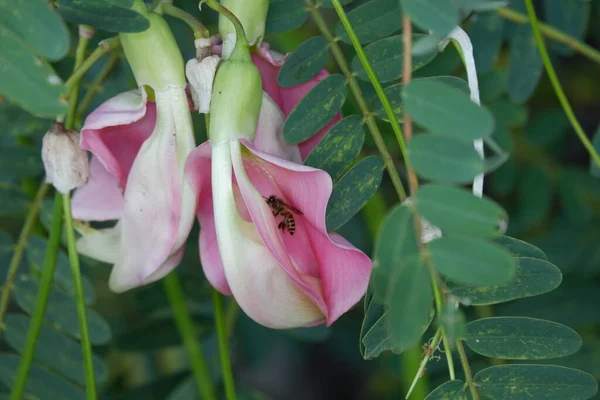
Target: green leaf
{"type": "Point", "coordinates": [518, 338]}
{"type": "Point", "coordinates": [36, 252]}
{"type": "Point", "coordinates": [486, 34]}
{"type": "Point", "coordinates": [595, 168]}
{"type": "Point", "coordinates": [508, 114]}
{"type": "Point", "coordinates": [444, 110]}
{"type": "Point", "coordinates": [353, 191]}
{"type": "Point", "coordinates": [525, 65]}
{"type": "Point", "coordinates": [409, 302]}
{"type": "Point", "coordinates": [14, 121]}
{"type": "Point", "coordinates": [61, 311]}
{"type": "Point", "coordinates": [340, 146]}
{"type": "Point", "coordinates": [570, 17]}
{"type": "Point", "coordinates": [451, 390]}
{"type": "Point", "coordinates": [41, 384]}
{"type": "Point", "coordinates": [457, 210]}
{"type": "Point", "coordinates": [534, 199]}
{"type": "Point", "coordinates": [56, 351]}
{"type": "Point", "coordinates": [519, 248]}
{"type": "Point", "coordinates": [525, 382]}
{"type": "Point", "coordinates": [36, 23]}
{"type": "Point", "coordinates": [481, 5]}
{"type": "Point", "coordinates": [432, 15]}
{"type": "Point", "coordinates": [373, 20]}
{"type": "Point", "coordinates": [285, 15]}
{"type": "Point", "coordinates": [394, 95]}
{"type": "Point", "coordinates": [396, 239]}
{"type": "Point", "coordinates": [532, 277]}
{"type": "Point", "coordinates": [386, 55]}
{"type": "Point", "coordinates": [316, 109]}
{"type": "Point", "coordinates": [547, 128]}
{"type": "Point", "coordinates": [26, 80]}
{"type": "Point", "coordinates": [375, 333]}
{"type": "Point", "coordinates": [18, 162]}
{"type": "Point", "coordinates": [493, 85]}
{"type": "Point", "coordinates": [108, 15]}
{"type": "Point", "coordinates": [12, 200]}
{"type": "Point", "coordinates": [445, 159]}
{"type": "Point", "coordinates": [304, 63]}
{"type": "Point", "coordinates": [471, 261]}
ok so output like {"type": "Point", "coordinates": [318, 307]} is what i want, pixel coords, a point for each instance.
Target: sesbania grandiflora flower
{"type": "Point", "coordinates": [139, 149]}
{"type": "Point", "coordinates": [263, 236]}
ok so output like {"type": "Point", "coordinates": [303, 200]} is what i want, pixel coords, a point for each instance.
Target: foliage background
{"type": "Point", "coordinates": [545, 186]}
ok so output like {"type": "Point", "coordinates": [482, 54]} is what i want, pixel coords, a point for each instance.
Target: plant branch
{"type": "Point", "coordinates": [86, 346]}
{"type": "Point", "coordinates": [199, 30]}
{"type": "Point", "coordinates": [338, 55]}
{"type": "Point", "coordinates": [37, 318]}
{"type": "Point", "coordinates": [562, 98]}
{"type": "Point", "coordinates": [103, 47]}
{"type": "Point", "coordinates": [553, 33]}
{"type": "Point", "coordinates": [185, 325]}
{"type": "Point", "coordinates": [15, 261]}
{"type": "Point", "coordinates": [84, 38]}
{"type": "Point", "coordinates": [223, 348]}
{"type": "Point", "coordinates": [467, 370]}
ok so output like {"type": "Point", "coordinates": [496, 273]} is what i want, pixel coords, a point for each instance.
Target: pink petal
{"type": "Point", "coordinates": [343, 270]}
{"type": "Point", "coordinates": [269, 133]}
{"type": "Point", "coordinates": [100, 199]}
{"type": "Point", "coordinates": [115, 131]}
{"type": "Point", "coordinates": [159, 204]}
{"type": "Point", "coordinates": [268, 73]}
{"type": "Point", "coordinates": [198, 173]}
{"type": "Point", "coordinates": [270, 291]}
{"type": "Point", "coordinates": [266, 226]}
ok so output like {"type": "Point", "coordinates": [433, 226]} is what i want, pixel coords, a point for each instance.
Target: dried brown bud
{"type": "Point", "coordinates": [65, 162]}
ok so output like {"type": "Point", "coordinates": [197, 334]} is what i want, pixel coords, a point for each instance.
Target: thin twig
{"type": "Point", "coordinates": [553, 33]}
{"type": "Point", "coordinates": [562, 98]}
{"type": "Point", "coordinates": [15, 261]}
{"type": "Point", "coordinates": [103, 47]}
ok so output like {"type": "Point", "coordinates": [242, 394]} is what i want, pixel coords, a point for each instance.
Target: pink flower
{"type": "Point", "coordinates": [280, 280]}
{"type": "Point", "coordinates": [139, 150]}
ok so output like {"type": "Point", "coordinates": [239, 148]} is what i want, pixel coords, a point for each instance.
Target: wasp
{"type": "Point", "coordinates": [279, 207]}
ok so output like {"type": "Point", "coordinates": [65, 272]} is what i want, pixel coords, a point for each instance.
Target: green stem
{"type": "Point", "coordinates": [95, 86]}
{"type": "Point", "coordinates": [223, 348]}
{"type": "Point", "coordinates": [15, 261]}
{"type": "Point", "coordinates": [467, 369]}
{"type": "Point", "coordinates": [556, 83]}
{"type": "Point", "coordinates": [42, 299]}
{"type": "Point", "coordinates": [185, 325]}
{"type": "Point", "coordinates": [411, 360]}
{"type": "Point", "coordinates": [387, 106]}
{"type": "Point", "coordinates": [86, 346]}
{"type": "Point", "coordinates": [231, 317]}
{"type": "Point", "coordinates": [553, 33]}
{"type": "Point", "coordinates": [435, 342]}
{"type": "Point", "coordinates": [239, 29]}
{"type": "Point", "coordinates": [74, 94]}
{"type": "Point", "coordinates": [338, 55]}
{"type": "Point", "coordinates": [103, 47]}
{"type": "Point", "coordinates": [199, 30]}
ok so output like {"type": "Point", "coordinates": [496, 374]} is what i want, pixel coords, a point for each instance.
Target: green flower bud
{"type": "Point", "coordinates": [153, 54]}
{"type": "Point", "coordinates": [236, 98]}
{"type": "Point", "coordinates": [251, 13]}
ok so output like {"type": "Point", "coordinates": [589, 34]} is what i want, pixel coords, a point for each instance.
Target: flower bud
{"type": "Point", "coordinates": [251, 13]}
{"type": "Point", "coordinates": [201, 74]}
{"type": "Point", "coordinates": [65, 162]}
{"type": "Point", "coordinates": [153, 54]}
{"type": "Point", "coordinates": [236, 98]}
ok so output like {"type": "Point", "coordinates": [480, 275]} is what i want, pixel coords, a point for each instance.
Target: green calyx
{"type": "Point", "coordinates": [153, 54]}
{"type": "Point", "coordinates": [236, 98]}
